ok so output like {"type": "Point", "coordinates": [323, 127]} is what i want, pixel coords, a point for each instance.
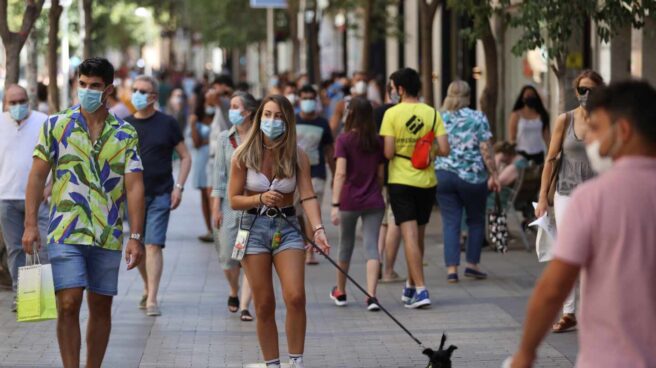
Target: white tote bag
{"type": "Point", "coordinates": [546, 238]}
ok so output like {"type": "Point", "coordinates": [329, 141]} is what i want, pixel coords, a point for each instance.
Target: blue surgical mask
{"type": "Point", "coordinates": [235, 116]}
{"type": "Point", "coordinates": [209, 110]}
{"type": "Point", "coordinates": [394, 96]}
{"type": "Point", "coordinates": [19, 112]}
{"type": "Point", "coordinates": [90, 99]}
{"type": "Point", "coordinates": [272, 128]}
{"type": "Point", "coordinates": [308, 106]}
{"type": "Point", "coordinates": [139, 100]}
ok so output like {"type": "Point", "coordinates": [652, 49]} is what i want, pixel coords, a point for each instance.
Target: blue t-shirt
{"type": "Point", "coordinates": [313, 136]}
{"type": "Point", "coordinates": [466, 129]}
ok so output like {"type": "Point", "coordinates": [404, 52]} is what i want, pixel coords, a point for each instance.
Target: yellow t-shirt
{"type": "Point", "coordinates": [407, 122]}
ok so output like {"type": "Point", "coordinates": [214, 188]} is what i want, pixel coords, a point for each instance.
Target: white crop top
{"type": "Point", "coordinates": [258, 182]}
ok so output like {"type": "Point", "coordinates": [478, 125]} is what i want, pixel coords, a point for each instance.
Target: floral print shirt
{"type": "Point", "coordinates": [467, 129]}
{"type": "Point", "coordinates": [88, 193]}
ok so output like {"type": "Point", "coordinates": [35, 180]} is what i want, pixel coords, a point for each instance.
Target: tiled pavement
{"type": "Point", "coordinates": [483, 318]}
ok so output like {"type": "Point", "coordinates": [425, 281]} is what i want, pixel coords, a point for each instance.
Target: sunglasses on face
{"type": "Point", "coordinates": [143, 92]}
{"type": "Point", "coordinates": [583, 90]}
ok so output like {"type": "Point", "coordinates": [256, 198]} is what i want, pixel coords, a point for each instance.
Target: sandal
{"type": "Point", "coordinates": [392, 279]}
{"type": "Point", "coordinates": [567, 323]}
{"type": "Point", "coordinates": [246, 316]}
{"type": "Point", "coordinates": [233, 304]}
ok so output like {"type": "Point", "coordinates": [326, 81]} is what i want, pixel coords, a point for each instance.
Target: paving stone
{"type": "Point", "coordinates": [483, 318]}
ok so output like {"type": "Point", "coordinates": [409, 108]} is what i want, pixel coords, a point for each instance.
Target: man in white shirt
{"type": "Point", "coordinates": [19, 132]}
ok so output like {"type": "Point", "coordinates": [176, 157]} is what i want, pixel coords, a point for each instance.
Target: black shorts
{"type": "Point", "coordinates": [538, 158]}
{"type": "Point", "coordinates": [411, 203]}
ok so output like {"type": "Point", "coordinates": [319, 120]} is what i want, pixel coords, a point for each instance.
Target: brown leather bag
{"type": "Point", "coordinates": [557, 163]}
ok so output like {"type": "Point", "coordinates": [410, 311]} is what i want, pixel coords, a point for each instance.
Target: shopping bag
{"type": "Point", "coordinates": [498, 226]}
{"type": "Point", "coordinates": [546, 237]}
{"type": "Point", "coordinates": [36, 293]}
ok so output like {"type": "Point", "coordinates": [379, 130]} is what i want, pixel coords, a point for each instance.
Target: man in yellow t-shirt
{"type": "Point", "coordinates": [411, 190]}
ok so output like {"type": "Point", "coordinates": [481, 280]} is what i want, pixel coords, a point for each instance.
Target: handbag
{"type": "Point", "coordinates": [498, 226]}
{"type": "Point", "coordinates": [36, 292]}
{"type": "Point", "coordinates": [557, 163]}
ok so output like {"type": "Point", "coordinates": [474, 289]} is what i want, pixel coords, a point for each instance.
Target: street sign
{"type": "Point", "coordinates": [277, 4]}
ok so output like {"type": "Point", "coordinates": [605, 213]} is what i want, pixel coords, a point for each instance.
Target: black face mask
{"type": "Point", "coordinates": [532, 102]}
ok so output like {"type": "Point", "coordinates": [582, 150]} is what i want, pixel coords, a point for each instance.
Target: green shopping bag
{"type": "Point", "coordinates": [36, 293]}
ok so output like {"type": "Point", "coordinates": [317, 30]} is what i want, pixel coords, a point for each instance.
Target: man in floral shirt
{"type": "Point", "coordinates": [94, 160]}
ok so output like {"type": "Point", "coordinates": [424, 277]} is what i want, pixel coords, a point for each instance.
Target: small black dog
{"type": "Point", "coordinates": [440, 358]}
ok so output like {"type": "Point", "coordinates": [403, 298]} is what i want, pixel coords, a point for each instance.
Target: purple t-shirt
{"type": "Point", "coordinates": [361, 190]}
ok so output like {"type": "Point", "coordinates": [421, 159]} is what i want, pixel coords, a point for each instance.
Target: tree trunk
{"type": "Point", "coordinates": [53, 89]}
{"type": "Point", "coordinates": [426, 16]}
{"type": "Point", "coordinates": [490, 93]}
{"type": "Point", "coordinates": [14, 41]}
{"type": "Point", "coordinates": [292, 15]}
{"type": "Point", "coordinates": [500, 31]}
{"type": "Point", "coordinates": [31, 70]}
{"type": "Point", "coordinates": [558, 67]}
{"type": "Point", "coordinates": [366, 35]}
{"type": "Point", "coordinates": [12, 57]}
{"type": "Point", "coordinates": [88, 26]}
{"type": "Point", "coordinates": [314, 47]}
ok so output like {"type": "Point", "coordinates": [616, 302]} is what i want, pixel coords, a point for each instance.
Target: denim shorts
{"type": "Point", "coordinates": [158, 209]}
{"type": "Point", "coordinates": [262, 230]}
{"type": "Point", "coordinates": [85, 266]}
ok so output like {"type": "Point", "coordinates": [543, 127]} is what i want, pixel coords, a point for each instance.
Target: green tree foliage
{"type": "Point", "coordinates": [551, 23]}
{"type": "Point", "coordinates": [232, 24]}
{"type": "Point", "coordinates": [381, 23]}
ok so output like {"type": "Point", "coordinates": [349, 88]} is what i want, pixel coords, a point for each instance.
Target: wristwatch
{"type": "Point", "coordinates": [179, 186]}
{"type": "Point", "coordinates": [136, 236]}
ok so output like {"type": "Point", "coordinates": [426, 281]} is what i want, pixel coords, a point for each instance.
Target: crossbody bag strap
{"type": "Point", "coordinates": [432, 128]}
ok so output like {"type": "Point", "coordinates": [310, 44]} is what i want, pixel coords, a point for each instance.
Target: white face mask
{"type": "Point", "coordinates": [360, 88]}
{"type": "Point", "coordinates": [599, 164]}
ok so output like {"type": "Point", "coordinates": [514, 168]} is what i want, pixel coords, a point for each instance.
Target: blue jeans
{"type": "Point", "coordinates": [12, 218]}
{"type": "Point", "coordinates": [453, 196]}
{"type": "Point", "coordinates": [263, 229]}
{"type": "Point", "coordinates": [158, 209]}
{"type": "Point", "coordinates": [85, 266]}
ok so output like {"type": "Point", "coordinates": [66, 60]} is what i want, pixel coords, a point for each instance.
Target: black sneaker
{"type": "Point", "coordinates": [14, 305]}
{"type": "Point", "coordinates": [372, 304]}
{"type": "Point", "coordinates": [338, 297]}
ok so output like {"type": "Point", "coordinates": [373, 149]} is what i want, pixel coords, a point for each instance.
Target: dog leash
{"type": "Point", "coordinates": [315, 246]}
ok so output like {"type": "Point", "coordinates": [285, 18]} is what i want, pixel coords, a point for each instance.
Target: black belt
{"type": "Point", "coordinates": [274, 212]}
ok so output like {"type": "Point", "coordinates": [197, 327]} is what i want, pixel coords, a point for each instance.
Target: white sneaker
{"type": "Point", "coordinates": [296, 363]}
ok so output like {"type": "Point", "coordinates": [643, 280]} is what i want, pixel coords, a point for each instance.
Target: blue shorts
{"type": "Point", "coordinates": [261, 234]}
{"type": "Point", "coordinates": [158, 209]}
{"type": "Point", "coordinates": [85, 266]}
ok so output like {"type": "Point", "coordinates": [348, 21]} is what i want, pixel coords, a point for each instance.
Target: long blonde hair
{"type": "Point", "coordinates": [251, 152]}
{"type": "Point", "coordinates": [457, 96]}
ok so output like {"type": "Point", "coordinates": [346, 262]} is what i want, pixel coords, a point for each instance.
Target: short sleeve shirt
{"type": "Point", "coordinates": [312, 136]}
{"type": "Point", "coordinates": [88, 194]}
{"type": "Point", "coordinates": [158, 136]}
{"type": "Point", "coordinates": [361, 189]}
{"type": "Point", "coordinates": [608, 230]}
{"type": "Point", "coordinates": [407, 122]}
{"type": "Point", "coordinates": [467, 129]}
